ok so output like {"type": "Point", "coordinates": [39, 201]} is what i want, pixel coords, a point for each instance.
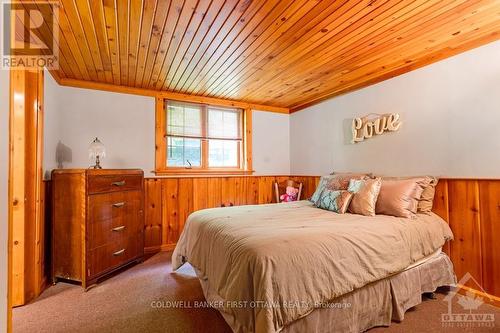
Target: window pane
{"type": "Point", "coordinates": [223, 153]}
{"type": "Point", "coordinates": [182, 150]}
{"type": "Point", "coordinates": [224, 123]}
{"type": "Point", "coordinates": [183, 119]}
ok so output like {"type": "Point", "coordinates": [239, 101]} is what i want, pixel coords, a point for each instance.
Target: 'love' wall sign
{"type": "Point", "coordinates": [365, 127]}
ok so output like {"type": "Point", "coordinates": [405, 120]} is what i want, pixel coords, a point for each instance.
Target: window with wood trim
{"type": "Point", "coordinates": [199, 138]}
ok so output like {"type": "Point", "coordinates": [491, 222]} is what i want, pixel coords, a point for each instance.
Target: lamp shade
{"type": "Point", "coordinates": [96, 150]}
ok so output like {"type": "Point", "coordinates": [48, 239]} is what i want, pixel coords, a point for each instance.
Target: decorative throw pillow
{"type": "Point", "coordinates": [427, 198]}
{"type": "Point", "coordinates": [335, 201]}
{"type": "Point", "coordinates": [366, 192]}
{"type": "Point", "coordinates": [399, 197]}
{"type": "Point", "coordinates": [334, 183]}
{"type": "Point", "coordinates": [319, 189]}
{"type": "Point", "coordinates": [354, 174]}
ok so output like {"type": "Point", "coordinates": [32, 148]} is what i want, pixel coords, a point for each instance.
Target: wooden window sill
{"type": "Point", "coordinates": [207, 173]}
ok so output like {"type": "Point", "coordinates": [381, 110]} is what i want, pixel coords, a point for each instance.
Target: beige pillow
{"type": "Point", "coordinates": [427, 198]}
{"type": "Point", "coordinates": [365, 196]}
{"type": "Point", "coordinates": [399, 197]}
{"type": "Point", "coordinates": [341, 181]}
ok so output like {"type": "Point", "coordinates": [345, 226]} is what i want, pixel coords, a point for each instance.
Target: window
{"type": "Point", "coordinates": [201, 138]}
{"type": "Point", "coordinates": [184, 134]}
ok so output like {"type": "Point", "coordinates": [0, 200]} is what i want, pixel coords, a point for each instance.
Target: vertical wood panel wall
{"type": "Point", "coordinates": [472, 208]}
{"type": "Point", "coordinates": [169, 201]}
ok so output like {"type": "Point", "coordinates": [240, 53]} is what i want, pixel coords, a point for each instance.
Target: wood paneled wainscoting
{"type": "Point", "coordinates": [472, 208]}
{"type": "Point", "coordinates": [169, 201]}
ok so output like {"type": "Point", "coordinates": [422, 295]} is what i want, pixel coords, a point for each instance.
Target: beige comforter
{"type": "Point", "coordinates": [290, 258]}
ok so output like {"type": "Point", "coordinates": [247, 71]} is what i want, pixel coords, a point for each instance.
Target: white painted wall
{"type": "Point", "coordinates": [271, 143]}
{"type": "Point", "coordinates": [450, 112]}
{"type": "Point", "coordinates": [74, 117]}
{"type": "Point", "coordinates": [126, 125]}
{"type": "Point", "coordinates": [4, 174]}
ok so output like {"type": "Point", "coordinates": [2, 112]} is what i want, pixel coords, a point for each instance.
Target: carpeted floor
{"type": "Point", "coordinates": [140, 299]}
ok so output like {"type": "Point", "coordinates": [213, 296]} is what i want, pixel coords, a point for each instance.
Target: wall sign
{"type": "Point", "coordinates": [368, 126]}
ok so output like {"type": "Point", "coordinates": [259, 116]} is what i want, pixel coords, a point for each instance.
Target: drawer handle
{"type": "Point", "coordinates": [119, 204]}
{"type": "Point", "coordinates": [120, 228]}
{"type": "Point", "coordinates": [120, 183]}
{"type": "Point", "coordinates": [118, 253]}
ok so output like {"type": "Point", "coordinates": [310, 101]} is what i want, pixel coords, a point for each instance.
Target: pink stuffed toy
{"type": "Point", "coordinates": [290, 195]}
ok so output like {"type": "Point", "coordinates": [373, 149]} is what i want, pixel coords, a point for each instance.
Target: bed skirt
{"type": "Point", "coordinates": [376, 304]}
{"type": "Point", "coordinates": [381, 302]}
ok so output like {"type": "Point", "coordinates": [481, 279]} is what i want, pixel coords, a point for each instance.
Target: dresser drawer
{"type": "Point", "coordinates": [116, 229]}
{"type": "Point", "coordinates": [114, 216]}
{"type": "Point", "coordinates": [113, 183]}
{"type": "Point", "coordinates": [110, 256]}
{"type": "Point", "coordinates": [113, 205]}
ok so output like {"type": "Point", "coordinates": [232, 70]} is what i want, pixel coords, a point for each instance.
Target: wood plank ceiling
{"type": "Point", "coordinates": [274, 52]}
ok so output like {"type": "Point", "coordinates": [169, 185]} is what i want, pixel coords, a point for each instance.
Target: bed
{"type": "Point", "coordinates": [268, 268]}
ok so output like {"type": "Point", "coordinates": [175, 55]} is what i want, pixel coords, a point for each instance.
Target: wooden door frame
{"type": "Point", "coordinates": [29, 119]}
{"type": "Point", "coordinates": [9, 209]}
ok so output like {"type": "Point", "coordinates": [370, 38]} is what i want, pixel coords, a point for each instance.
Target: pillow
{"type": "Point", "coordinates": [354, 174]}
{"type": "Point", "coordinates": [335, 201]}
{"type": "Point", "coordinates": [334, 183]}
{"type": "Point", "coordinates": [427, 198]}
{"type": "Point", "coordinates": [399, 197]}
{"type": "Point", "coordinates": [366, 192]}
{"type": "Point", "coordinates": [319, 189]}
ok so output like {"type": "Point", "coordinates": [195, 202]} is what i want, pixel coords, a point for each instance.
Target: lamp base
{"type": "Point", "coordinates": [97, 163]}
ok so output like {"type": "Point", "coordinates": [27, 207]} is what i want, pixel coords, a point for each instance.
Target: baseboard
{"type": "Point", "coordinates": [487, 298]}
{"type": "Point", "coordinates": [168, 247]}
{"type": "Point", "coordinates": [152, 249]}
{"type": "Point", "coordinates": [159, 248]}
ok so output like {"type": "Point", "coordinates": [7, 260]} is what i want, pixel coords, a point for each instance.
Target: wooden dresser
{"type": "Point", "coordinates": [97, 224]}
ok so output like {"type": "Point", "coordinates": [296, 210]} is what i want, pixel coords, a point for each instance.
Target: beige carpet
{"type": "Point", "coordinates": [128, 302]}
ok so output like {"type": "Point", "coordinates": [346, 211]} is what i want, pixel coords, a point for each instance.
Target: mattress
{"type": "Point", "coordinates": [287, 259]}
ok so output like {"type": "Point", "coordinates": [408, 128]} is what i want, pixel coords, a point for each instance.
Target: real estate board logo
{"type": "Point", "coordinates": [471, 312]}
{"type": "Point", "coordinates": [30, 34]}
